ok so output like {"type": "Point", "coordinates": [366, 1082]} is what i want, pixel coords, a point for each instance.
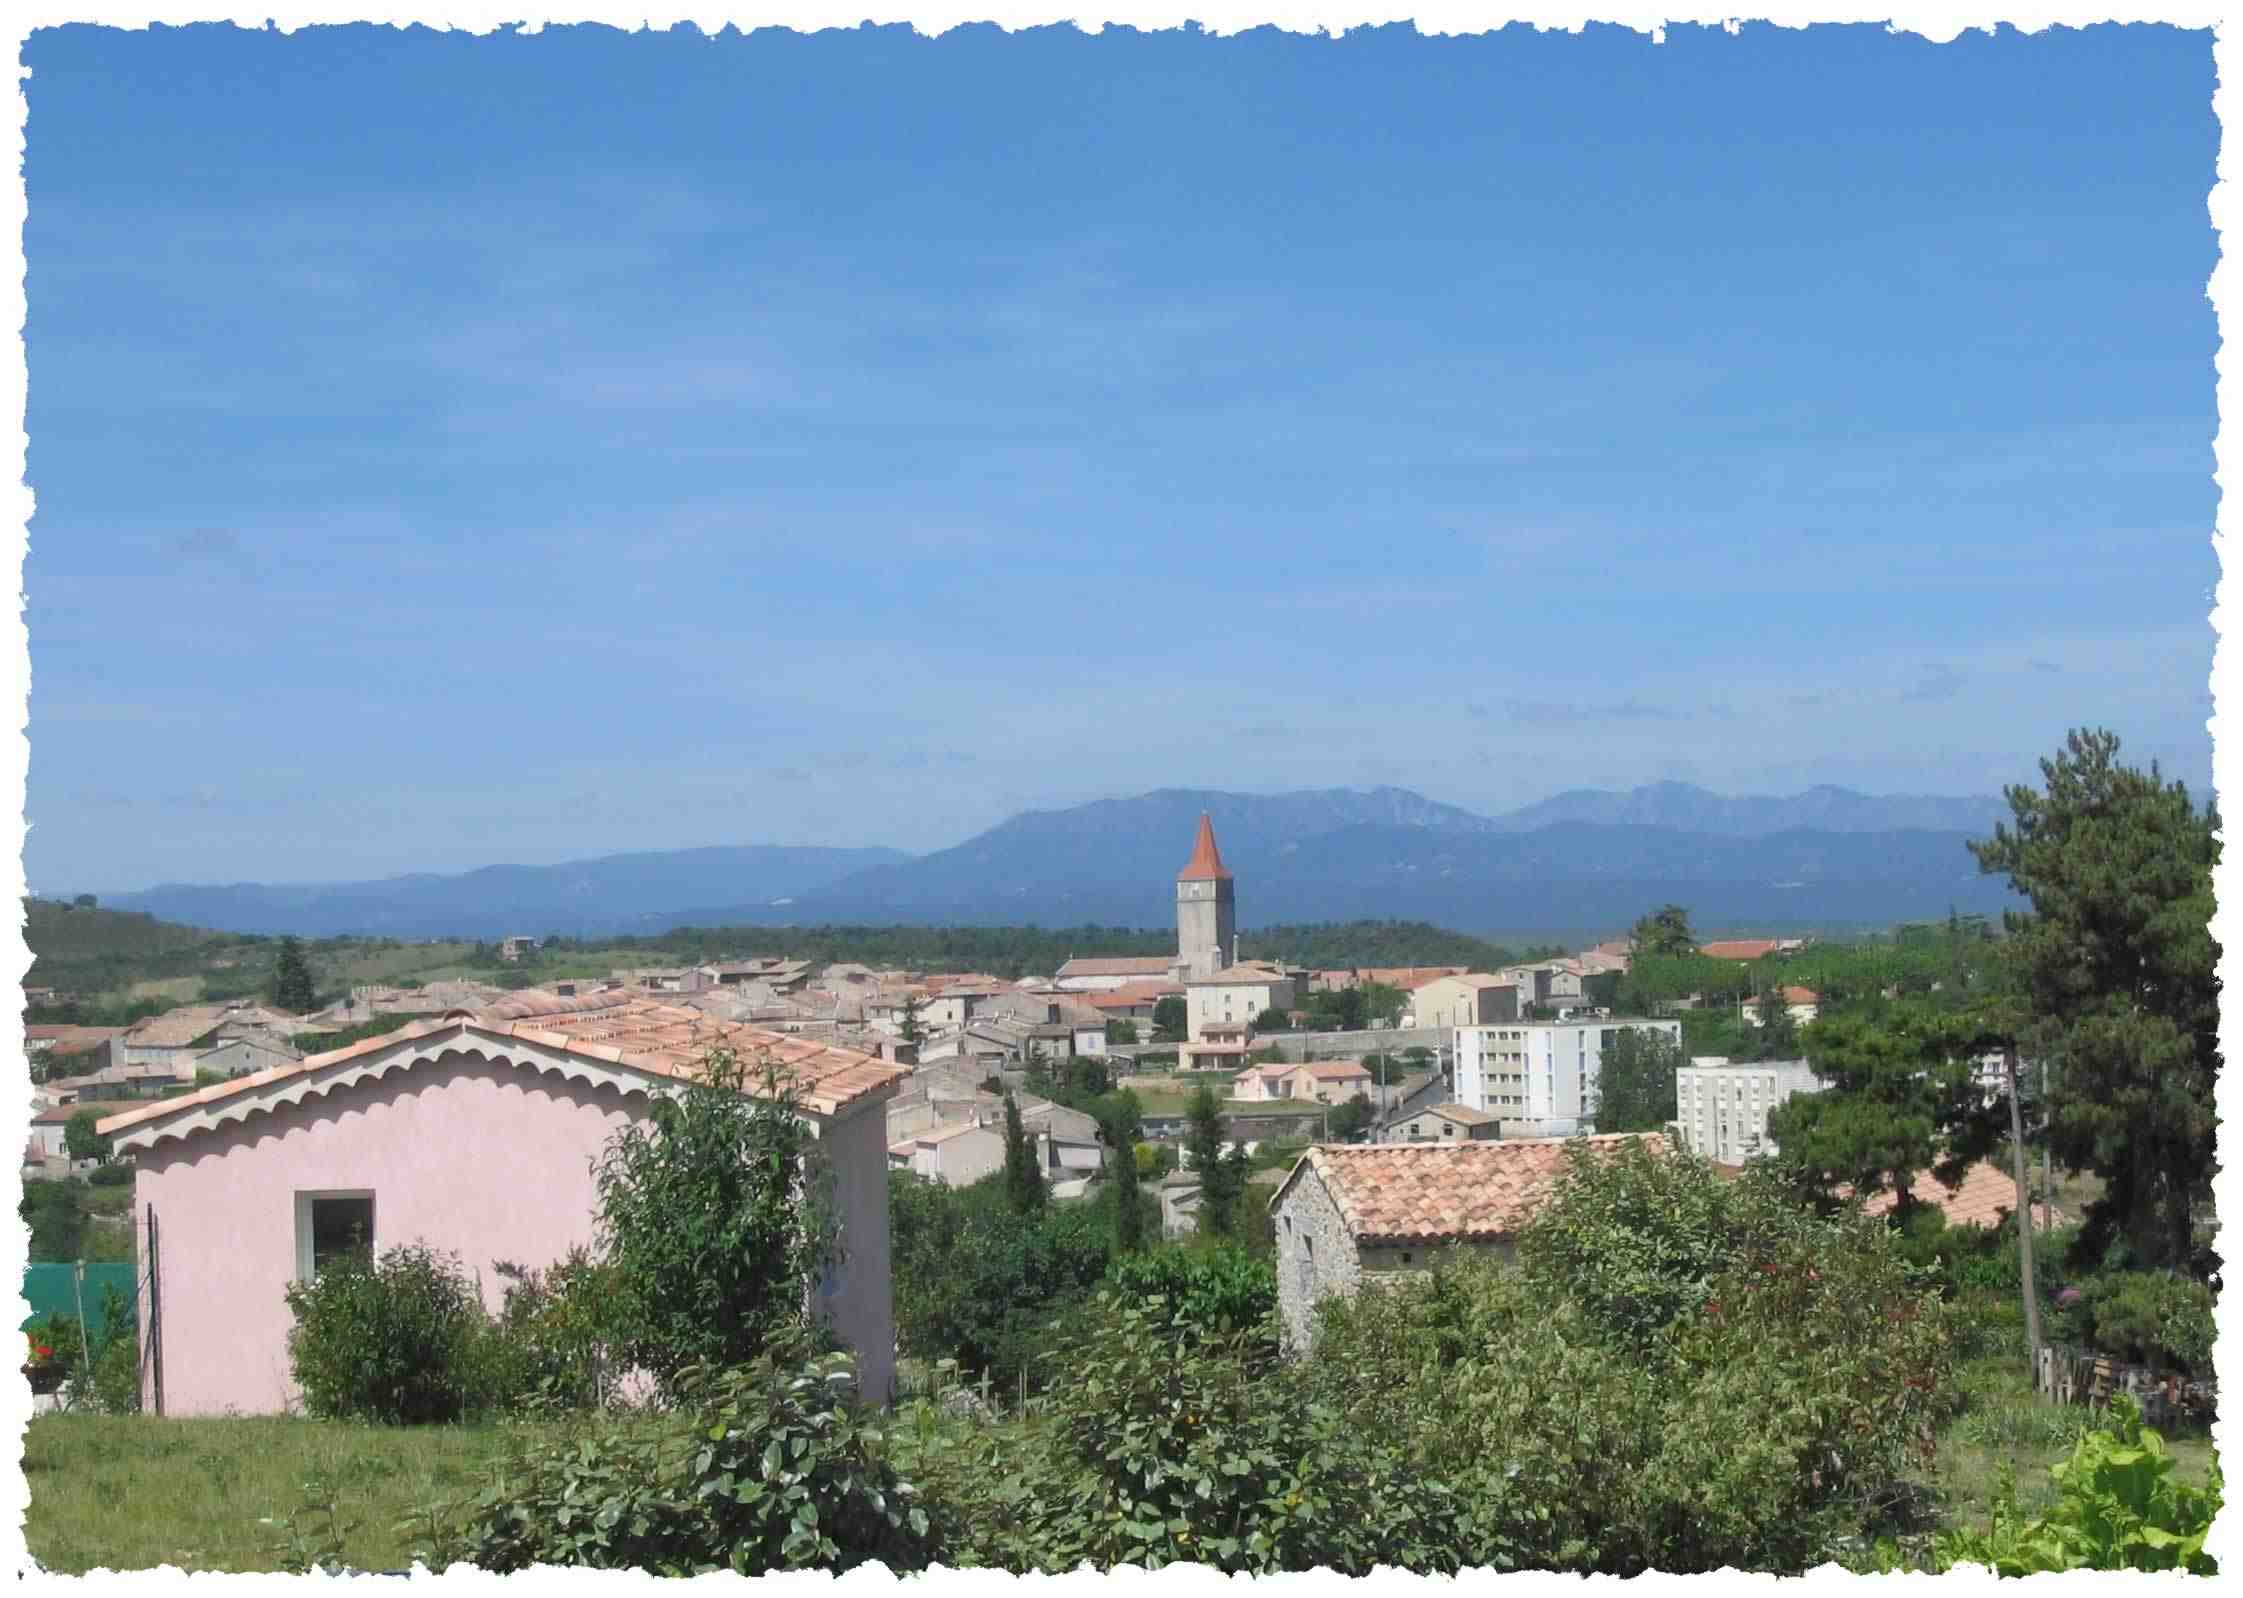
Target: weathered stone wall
{"type": "Point", "coordinates": [1299, 1046]}
{"type": "Point", "coordinates": [1315, 1256]}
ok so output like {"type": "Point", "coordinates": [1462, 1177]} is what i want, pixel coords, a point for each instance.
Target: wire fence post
{"type": "Point", "coordinates": [155, 1313]}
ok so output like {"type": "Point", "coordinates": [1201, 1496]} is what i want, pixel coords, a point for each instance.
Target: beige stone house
{"type": "Point", "coordinates": [1348, 1214]}
{"type": "Point", "coordinates": [953, 1154]}
{"type": "Point", "coordinates": [1328, 1082]}
{"type": "Point", "coordinates": [1112, 973]}
{"type": "Point", "coordinates": [1443, 1123]}
{"type": "Point", "coordinates": [1474, 998]}
{"type": "Point", "coordinates": [1235, 996]}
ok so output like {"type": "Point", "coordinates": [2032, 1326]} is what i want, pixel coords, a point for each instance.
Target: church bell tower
{"type": "Point", "coordinates": [1206, 909]}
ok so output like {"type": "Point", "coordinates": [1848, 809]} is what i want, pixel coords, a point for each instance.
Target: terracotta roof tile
{"type": "Point", "coordinates": [1985, 1194]}
{"type": "Point", "coordinates": [620, 1028]}
{"type": "Point", "coordinates": [1445, 1192]}
{"type": "Point", "coordinates": [1739, 949]}
{"type": "Point", "coordinates": [1206, 863]}
{"type": "Point", "coordinates": [1120, 965]}
{"type": "Point", "coordinates": [174, 1030]}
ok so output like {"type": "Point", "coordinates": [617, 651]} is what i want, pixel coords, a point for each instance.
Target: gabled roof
{"type": "Point", "coordinates": [1206, 863]}
{"type": "Point", "coordinates": [65, 1113]}
{"type": "Point", "coordinates": [1332, 1070]}
{"type": "Point", "coordinates": [1444, 1192]}
{"type": "Point", "coordinates": [175, 1029]}
{"type": "Point", "coordinates": [1246, 973]}
{"type": "Point", "coordinates": [1120, 965]}
{"type": "Point", "coordinates": [1739, 949]}
{"type": "Point", "coordinates": [648, 1039]}
{"type": "Point", "coordinates": [1985, 1194]}
{"type": "Point", "coordinates": [1461, 1114]}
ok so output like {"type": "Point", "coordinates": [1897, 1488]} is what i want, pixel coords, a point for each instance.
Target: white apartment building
{"type": "Point", "coordinates": [1543, 1073]}
{"type": "Point", "coordinates": [1721, 1110]}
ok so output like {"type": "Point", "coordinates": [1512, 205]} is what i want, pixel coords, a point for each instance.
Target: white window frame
{"type": "Point", "coordinates": [304, 1201]}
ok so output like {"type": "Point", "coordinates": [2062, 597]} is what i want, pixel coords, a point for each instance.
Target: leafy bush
{"type": "Point", "coordinates": [554, 1343]}
{"type": "Point", "coordinates": [1176, 1446]}
{"type": "Point", "coordinates": [2117, 1508]}
{"type": "Point", "coordinates": [715, 1212]}
{"type": "Point", "coordinates": [115, 1388]}
{"type": "Point", "coordinates": [2150, 1318]}
{"type": "Point", "coordinates": [1681, 1373]}
{"type": "Point", "coordinates": [1638, 1239]}
{"type": "Point", "coordinates": [769, 1467]}
{"type": "Point", "coordinates": [399, 1341]}
{"type": "Point", "coordinates": [981, 1283]}
{"type": "Point", "coordinates": [111, 1381]}
{"type": "Point", "coordinates": [110, 1176]}
{"type": "Point", "coordinates": [1224, 1288]}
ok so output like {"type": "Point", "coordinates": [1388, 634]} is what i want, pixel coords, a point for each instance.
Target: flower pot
{"type": "Point", "coordinates": [45, 1379]}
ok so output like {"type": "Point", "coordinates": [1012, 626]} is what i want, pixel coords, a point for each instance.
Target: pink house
{"type": "Point", "coordinates": [474, 1132]}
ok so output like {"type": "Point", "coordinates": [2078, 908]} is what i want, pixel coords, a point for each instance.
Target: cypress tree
{"type": "Point", "coordinates": [1121, 1167]}
{"type": "Point", "coordinates": [1024, 1183]}
{"type": "Point", "coordinates": [292, 980]}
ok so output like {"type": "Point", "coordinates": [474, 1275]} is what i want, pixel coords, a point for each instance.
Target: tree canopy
{"type": "Point", "coordinates": [1635, 1081]}
{"type": "Point", "coordinates": [717, 1213]}
{"type": "Point", "coordinates": [1901, 1098]}
{"type": "Point", "coordinates": [292, 980]}
{"type": "Point", "coordinates": [1665, 931]}
{"type": "Point", "coordinates": [2115, 967]}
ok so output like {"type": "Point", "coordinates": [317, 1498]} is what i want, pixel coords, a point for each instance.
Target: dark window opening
{"type": "Point", "coordinates": [340, 1225]}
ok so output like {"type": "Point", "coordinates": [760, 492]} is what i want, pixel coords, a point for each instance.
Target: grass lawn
{"type": "Point", "coordinates": [373, 967]}
{"type": "Point", "coordinates": [130, 1492]}
{"type": "Point", "coordinates": [172, 990]}
{"type": "Point", "coordinates": [2008, 1424]}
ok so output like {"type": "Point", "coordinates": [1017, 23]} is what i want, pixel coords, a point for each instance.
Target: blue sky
{"type": "Point", "coordinates": [454, 450]}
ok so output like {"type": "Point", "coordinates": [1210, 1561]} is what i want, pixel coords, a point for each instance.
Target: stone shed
{"type": "Point", "coordinates": [1347, 1213]}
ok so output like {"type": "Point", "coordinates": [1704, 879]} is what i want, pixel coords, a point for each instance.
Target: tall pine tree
{"type": "Point", "coordinates": [2116, 969]}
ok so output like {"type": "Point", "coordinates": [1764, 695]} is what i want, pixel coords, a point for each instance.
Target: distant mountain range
{"type": "Point", "coordinates": [615, 893]}
{"type": "Point", "coordinates": [1586, 859]}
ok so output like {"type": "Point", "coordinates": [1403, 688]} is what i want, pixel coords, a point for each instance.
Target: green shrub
{"type": "Point", "coordinates": [770, 1467]}
{"type": "Point", "coordinates": [1637, 1238]}
{"type": "Point", "coordinates": [981, 1283]}
{"type": "Point", "coordinates": [2117, 1508]}
{"type": "Point", "coordinates": [2150, 1318]}
{"type": "Point", "coordinates": [116, 1376]}
{"type": "Point", "coordinates": [555, 1340]}
{"type": "Point", "coordinates": [110, 1176]}
{"type": "Point", "coordinates": [1219, 1288]}
{"type": "Point", "coordinates": [716, 1212]}
{"type": "Point", "coordinates": [399, 1341]}
{"type": "Point", "coordinates": [1677, 1376]}
{"type": "Point", "coordinates": [1174, 1446]}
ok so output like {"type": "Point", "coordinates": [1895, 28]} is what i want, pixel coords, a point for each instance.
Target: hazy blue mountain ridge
{"type": "Point", "coordinates": [1587, 858]}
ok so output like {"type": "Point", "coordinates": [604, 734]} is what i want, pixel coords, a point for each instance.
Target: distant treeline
{"type": "Point", "coordinates": [83, 949]}
{"type": "Point", "coordinates": [1036, 951]}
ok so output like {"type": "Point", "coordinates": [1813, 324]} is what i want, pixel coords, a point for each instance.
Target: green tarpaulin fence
{"type": "Point", "coordinates": [50, 1291]}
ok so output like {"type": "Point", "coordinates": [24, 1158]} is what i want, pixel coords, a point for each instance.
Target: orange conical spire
{"type": "Point", "coordinates": [1206, 863]}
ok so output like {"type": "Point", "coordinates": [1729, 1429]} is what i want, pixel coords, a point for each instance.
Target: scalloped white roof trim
{"type": "Point", "coordinates": [460, 1042]}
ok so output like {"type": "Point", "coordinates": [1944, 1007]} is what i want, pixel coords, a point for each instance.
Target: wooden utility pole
{"type": "Point", "coordinates": [2024, 1217]}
